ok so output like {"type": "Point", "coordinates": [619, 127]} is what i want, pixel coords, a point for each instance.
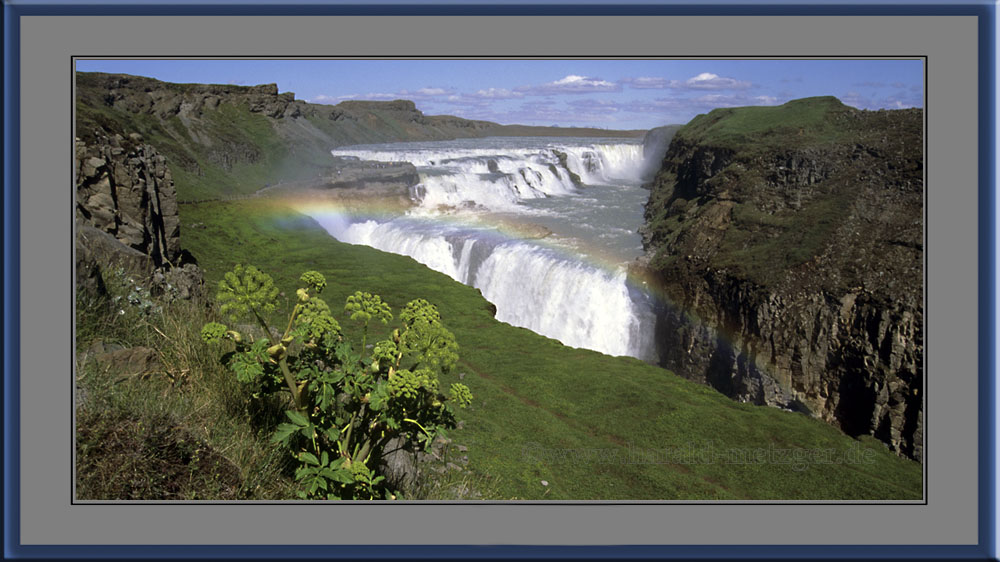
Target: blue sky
{"type": "Point", "coordinates": [613, 94]}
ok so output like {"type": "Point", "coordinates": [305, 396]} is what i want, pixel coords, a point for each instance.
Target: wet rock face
{"type": "Point", "coordinates": [124, 188]}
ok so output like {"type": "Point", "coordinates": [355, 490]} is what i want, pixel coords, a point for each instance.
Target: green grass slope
{"type": "Point", "coordinates": [807, 121]}
{"type": "Point", "coordinates": [593, 427]}
{"type": "Point", "coordinates": [764, 191]}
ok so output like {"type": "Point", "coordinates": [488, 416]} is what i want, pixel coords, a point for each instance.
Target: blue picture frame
{"type": "Point", "coordinates": [13, 291]}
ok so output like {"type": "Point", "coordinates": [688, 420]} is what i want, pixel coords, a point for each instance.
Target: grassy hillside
{"type": "Point", "coordinates": [806, 121]}
{"type": "Point", "coordinates": [574, 418]}
{"type": "Point", "coordinates": [762, 191]}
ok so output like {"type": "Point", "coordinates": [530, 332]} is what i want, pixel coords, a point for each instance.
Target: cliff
{"type": "Point", "coordinates": [789, 244]}
{"type": "Point", "coordinates": [126, 215]}
{"type": "Point", "coordinates": [230, 140]}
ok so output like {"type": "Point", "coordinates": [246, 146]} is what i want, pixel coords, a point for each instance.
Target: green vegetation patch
{"type": "Point", "coordinates": [802, 122]}
{"type": "Point", "coordinates": [553, 422]}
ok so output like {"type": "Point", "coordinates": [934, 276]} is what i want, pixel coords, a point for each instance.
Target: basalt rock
{"type": "Point", "coordinates": [126, 214]}
{"type": "Point", "coordinates": [124, 188]}
{"type": "Point", "coordinates": [792, 259]}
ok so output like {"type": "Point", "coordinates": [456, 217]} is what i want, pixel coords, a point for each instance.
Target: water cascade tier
{"type": "Point", "coordinates": [544, 228]}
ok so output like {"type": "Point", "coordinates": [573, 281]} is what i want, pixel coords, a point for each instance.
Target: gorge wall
{"type": "Point", "coordinates": [789, 244]}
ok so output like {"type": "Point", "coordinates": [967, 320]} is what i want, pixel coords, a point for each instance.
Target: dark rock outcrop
{"type": "Point", "coordinates": [138, 94]}
{"type": "Point", "coordinates": [792, 261]}
{"type": "Point", "coordinates": [126, 217]}
{"type": "Point", "coordinates": [124, 188]}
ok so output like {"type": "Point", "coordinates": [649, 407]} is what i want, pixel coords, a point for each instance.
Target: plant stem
{"type": "Point", "coordinates": [350, 431]}
{"type": "Point", "coordinates": [415, 422]}
{"type": "Point", "coordinates": [365, 448]}
{"type": "Point", "coordinates": [289, 377]}
{"type": "Point", "coordinates": [263, 324]}
{"type": "Point", "coordinates": [291, 320]}
{"type": "Point", "coordinates": [291, 382]}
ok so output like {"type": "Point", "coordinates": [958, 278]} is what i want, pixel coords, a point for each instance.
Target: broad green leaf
{"type": "Point", "coordinates": [297, 417]}
{"type": "Point", "coordinates": [343, 476]}
{"type": "Point", "coordinates": [283, 432]}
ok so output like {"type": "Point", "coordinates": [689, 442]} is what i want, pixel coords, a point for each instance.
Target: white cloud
{"type": "Point", "coordinates": [572, 84]}
{"type": "Point", "coordinates": [709, 81]}
{"type": "Point", "coordinates": [647, 83]}
{"type": "Point", "coordinates": [430, 92]}
{"type": "Point", "coordinates": [596, 105]}
{"type": "Point", "coordinates": [682, 109]}
{"type": "Point", "coordinates": [544, 112]}
{"type": "Point", "coordinates": [322, 98]}
{"type": "Point", "coordinates": [497, 94]}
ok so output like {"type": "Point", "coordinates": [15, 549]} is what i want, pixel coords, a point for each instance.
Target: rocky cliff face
{"type": "Point", "coordinates": [126, 213]}
{"type": "Point", "coordinates": [136, 94]}
{"type": "Point", "coordinates": [789, 242]}
{"type": "Point", "coordinates": [124, 188]}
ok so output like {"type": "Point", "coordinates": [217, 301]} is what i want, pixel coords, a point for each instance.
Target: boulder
{"type": "Point", "coordinates": [131, 361]}
{"type": "Point", "coordinates": [399, 465]}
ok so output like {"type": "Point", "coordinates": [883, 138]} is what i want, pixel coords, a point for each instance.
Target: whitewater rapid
{"type": "Point", "coordinates": [499, 178]}
{"type": "Point", "coordinates": [563, 286]}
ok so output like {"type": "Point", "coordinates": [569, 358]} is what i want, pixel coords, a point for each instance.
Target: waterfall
{"type": "Point", "coordinates": [546, 288]}
{"type": "Point", "coordinates": [498, 179]}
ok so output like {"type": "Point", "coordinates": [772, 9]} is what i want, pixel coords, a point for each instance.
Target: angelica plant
{"type": "Point", "coordinates": [346, 407]}
{"type": "Point", "coordinates": [363, 307]}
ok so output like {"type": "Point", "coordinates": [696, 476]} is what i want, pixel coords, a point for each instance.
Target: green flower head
{"type": "Point", "coordinates": [361, 473]}
{"type": "Point", "coordinates": [317, 322]}
{"type": "Point", "coordinates": [366, 306]}
{"type": "Point", "coordinates": [247, 290]}
{"type": "Point", "coordinates": [461, 394]}
{"type": "Point", "coordinates": [315, 280]}
{"type": "Point", "coordinates": [404, 384]}
{"type": "Point", "coordinates": [419, 310]}
{"type": "Point", "coordinates": [213, 332]}
{"type": "Point", "coordinates": [409, 384]}
{"type": "Point", "coordinates": [384, 354]}
{"type": "Point", "coordinates": [430, 343]}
